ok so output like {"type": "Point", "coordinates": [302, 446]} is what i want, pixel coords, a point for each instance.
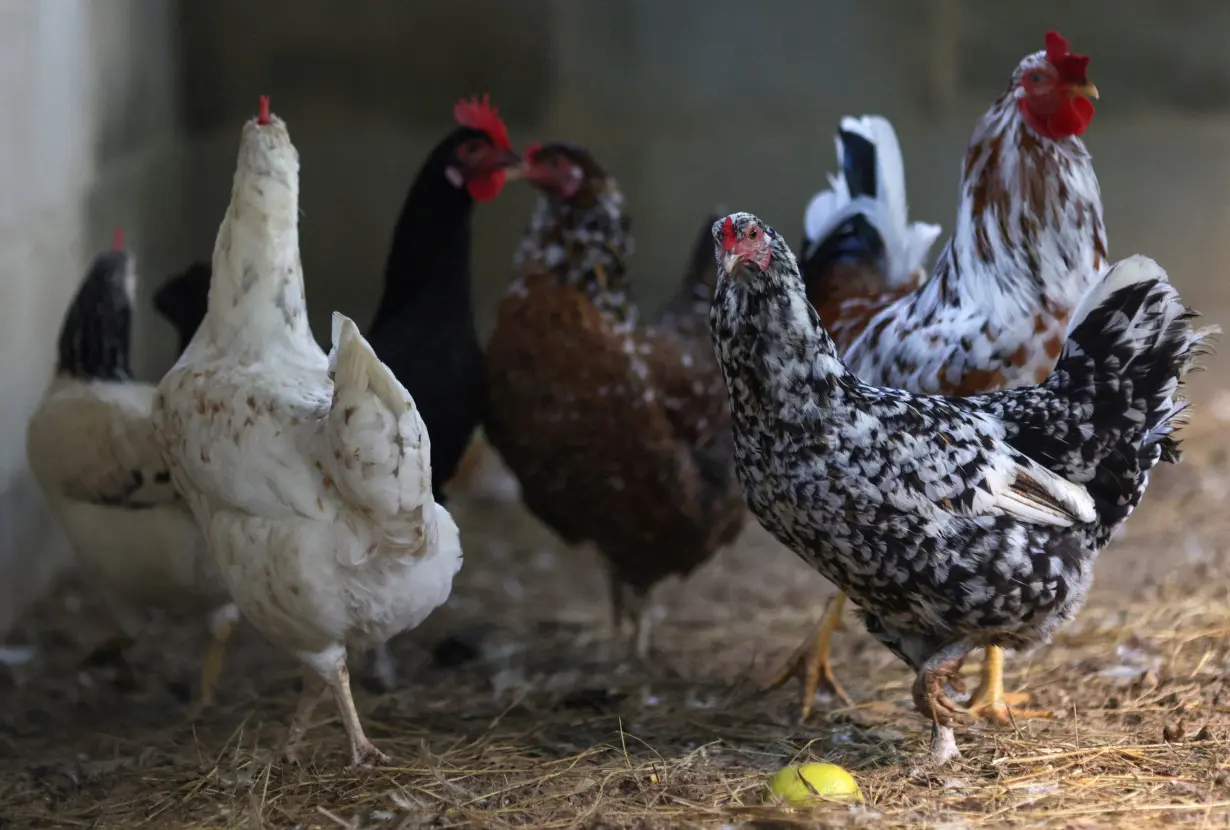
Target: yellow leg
{"type": "Point", "coordinates": [221, 626]}
{"type": "Point", "coordinates": [989, 701]}
{"type": "Point", "coordinates": [810, 661]}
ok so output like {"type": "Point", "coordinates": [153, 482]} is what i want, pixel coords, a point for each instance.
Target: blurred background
{"type": "Point", "coordinates": [126, 113]}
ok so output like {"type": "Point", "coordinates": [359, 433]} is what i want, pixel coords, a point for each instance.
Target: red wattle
{"type": "Point", "coordinates": [486, 188]}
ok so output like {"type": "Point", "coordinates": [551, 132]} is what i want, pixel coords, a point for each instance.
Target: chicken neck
{"type": "Point", "coordinates": [428, 267]}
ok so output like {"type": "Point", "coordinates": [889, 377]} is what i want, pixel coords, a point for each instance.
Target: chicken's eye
{"type": "Point", "coordinates": [1035, 77]}
{"type": "Point", "coordinates": [751, 234]}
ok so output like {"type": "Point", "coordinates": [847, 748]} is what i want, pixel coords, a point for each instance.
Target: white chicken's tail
{"type": "Point", "coordinates": [380, 454]}
{"type": "Point", "coordinates": [863, 214]}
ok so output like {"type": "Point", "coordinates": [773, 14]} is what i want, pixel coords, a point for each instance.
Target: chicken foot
{"type": "Point", "coordinates": [933, 702]}
{"type": "Point", "coordinates": [222, 624]}
{"type": "Point", "coordinates": [810, 662]}
{"type": "Point", "coordinates": [989, 700]}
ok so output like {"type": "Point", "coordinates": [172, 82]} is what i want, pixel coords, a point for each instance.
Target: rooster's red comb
{"type": "Point", "coordinates": [1072, 68]}
{"type": "Point", "coordinates": [117, 239]}
{"type": "Point", "coordinates": [480, 115]}
{"type": "Point", "coordinates": [262, 114]}
{"type": "Point", "coordinates": [728, 234]}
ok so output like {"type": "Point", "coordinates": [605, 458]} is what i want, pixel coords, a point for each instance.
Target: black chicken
{"type": "Point", "coordinates": [424, 326]}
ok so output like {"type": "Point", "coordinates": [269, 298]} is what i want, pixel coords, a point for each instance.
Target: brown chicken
{"type": "Point", "coordinates": [618, 432]}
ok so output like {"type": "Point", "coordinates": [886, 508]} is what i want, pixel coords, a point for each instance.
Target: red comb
{"type": "Point", "coordinates": [480, 115]}
{"type": "Point", "coordinates": [262, 116]}
{"type": "Point", "coordinates": [1072, 68]}
{"type": "Point", "coordinates": [117, 240]}
{"type": "Point", "coordinates": [728, 234]}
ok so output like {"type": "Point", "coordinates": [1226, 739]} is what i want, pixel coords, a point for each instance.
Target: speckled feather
{"type": "Point", "coordinates": [1027, 244]}
{"type": "Point", "coordinates": [951, 522]}
{"type": "Point", "coordinates": [618, 432]}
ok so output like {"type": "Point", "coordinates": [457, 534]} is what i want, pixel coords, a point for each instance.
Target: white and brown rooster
{"type": "Point", "coordinates": [310, 473]}
{"type": "Point", "coordinates": [1027, 244]}
{"type": "Point", "coordinates": [91, 447]}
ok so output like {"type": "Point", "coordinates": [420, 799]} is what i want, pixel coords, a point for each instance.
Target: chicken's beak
{"type": "Point", "coordinates": [508, 161]}
{"type": "Point", "coordinates": [521, 170]}
{"type": "Point", "coordinates": [1087, 89]}
{"type": "Point", "coordinates": [730, 261]}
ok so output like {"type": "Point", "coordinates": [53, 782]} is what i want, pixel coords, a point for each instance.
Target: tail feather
{"type": "Point", "coordinates": [863, 215]}
{"type": "Point", "coordinates": [380, 453]}
{"type": "Point", "coordinates": [355, 366]}
{"type": "Point", "coordinates": [1109, 412]}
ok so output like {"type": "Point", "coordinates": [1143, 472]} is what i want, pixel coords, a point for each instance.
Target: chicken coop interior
{"type": "Point", "coordinates": [518, 702]}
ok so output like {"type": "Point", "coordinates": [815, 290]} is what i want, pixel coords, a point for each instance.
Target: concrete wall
{"type": "Point", "coordinates": [127, 111]}
{"type": "Point", "coordinates": [90, 140]}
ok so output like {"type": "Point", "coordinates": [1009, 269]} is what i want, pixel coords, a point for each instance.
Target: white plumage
{"type": "Point", "coordinates": [310, 474]}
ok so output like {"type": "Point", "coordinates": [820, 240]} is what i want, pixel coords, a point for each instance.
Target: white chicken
{"type": "Point", "coordinates": [310, 474]}
{"type": "Point", "coordinates": [91, 447]}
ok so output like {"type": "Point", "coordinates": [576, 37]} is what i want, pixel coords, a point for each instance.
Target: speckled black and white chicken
{"type": "Point", "coordinates": [91, 447]}
{"type": "Point", "coordinates": [952, 523]}
{"type": "Point", "coordinates": [309, 473]}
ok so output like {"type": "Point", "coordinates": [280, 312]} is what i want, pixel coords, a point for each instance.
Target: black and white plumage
{"type": "Point", "coordinates": [953, 523]}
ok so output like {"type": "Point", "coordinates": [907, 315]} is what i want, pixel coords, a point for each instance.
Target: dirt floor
{"type": "Point", "coordinates": [515, 708]}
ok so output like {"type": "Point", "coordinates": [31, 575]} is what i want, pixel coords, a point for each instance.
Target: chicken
{"type": "Point", "coordinates": [860, 255]}
{"type": "Point", "coordinates": [183, 300]}
{"type": "Point", "coordinates": [952, 523]}
{"type": "Point", "coordinates": [424, 326]}
{"type": "Point", "coordinates": [310, 474]}
{"type": "Point", "coordinates": [1027, 243]}
{"type": "Point", "coordinates": [91, 447]}
{"type": "Point", "coordinates": [618, 432]}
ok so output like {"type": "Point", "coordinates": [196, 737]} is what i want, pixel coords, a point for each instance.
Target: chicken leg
{"type": "Point", "coordinates": [363, 752]}
{"type": "Point", "coordinates": [314, 688]}
{"type": "Point", "coordinates": [222, 624]}
{"type": "Point", "coordinates": [989, 700]}
{"type": "Point", "coordinates": [628, 601]}
{"type": "Point", "coordinates": [810, 661]}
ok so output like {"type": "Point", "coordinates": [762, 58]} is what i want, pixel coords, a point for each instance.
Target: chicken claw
{"type": "Point", "coordinates": [990, 702]}
{"type": "Point", "coordinates": [810, 661]}
{"type": "Point", "coordinates": [930, 697]}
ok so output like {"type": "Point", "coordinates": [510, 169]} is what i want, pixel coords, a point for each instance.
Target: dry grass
{"type": "Point", "coordinates": [545, 726]}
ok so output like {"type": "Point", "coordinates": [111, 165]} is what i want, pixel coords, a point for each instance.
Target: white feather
{"type": "Point", "coordinates": [906, 244]}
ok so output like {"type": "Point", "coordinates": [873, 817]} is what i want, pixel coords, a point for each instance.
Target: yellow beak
{"type": "Point", "coordinates": [1086, 89]}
